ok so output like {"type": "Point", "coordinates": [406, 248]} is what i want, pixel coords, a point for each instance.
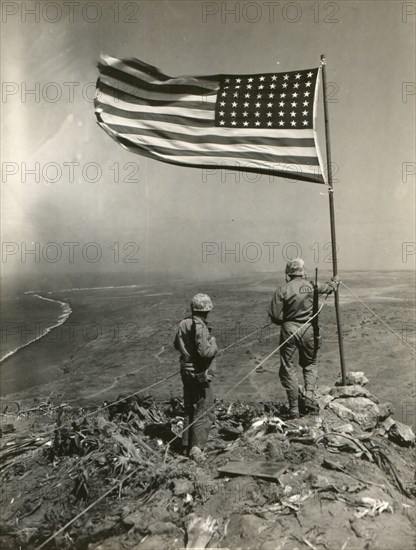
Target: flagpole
{"type": "Point", "coordinates": [332, 219]}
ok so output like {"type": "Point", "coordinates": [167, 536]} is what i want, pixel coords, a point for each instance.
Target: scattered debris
{"type": "Point", "coordinates": [279, 479]}
{"type": "Point", "coordinates": [181, 487]}
{"type": "Point", "coordinates": [333, 465]}
{"type": "Point", "coordinates": [200, 531]}
{"type": "Point", "coordinates": [256, 468]}
{"type": "Point", "coordinates": [372, 507]}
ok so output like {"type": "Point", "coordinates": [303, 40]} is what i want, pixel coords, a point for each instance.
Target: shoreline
{"type": "Point", "coordinates": [66, 310]}
{"type": "Point", "coordinates": [66, 313]}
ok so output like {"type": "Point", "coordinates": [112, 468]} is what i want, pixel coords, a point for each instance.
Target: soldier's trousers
{"type": "Point", "coordinates": [304, 343]}
{"type": "Point", "coordinates": [198, 398]}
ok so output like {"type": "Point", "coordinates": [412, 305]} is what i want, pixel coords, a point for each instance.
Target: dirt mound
{"type": "Point", "coordinates": [339, 479]}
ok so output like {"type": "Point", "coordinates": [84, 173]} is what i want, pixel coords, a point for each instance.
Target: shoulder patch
{"type": "Point", "coordinates": [305, 289]}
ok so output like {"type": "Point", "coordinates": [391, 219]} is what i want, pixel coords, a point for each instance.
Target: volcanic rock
{"type": "Point", "coordinates": [358, 409]}
{"type": "Point", "coordinates": [402, 434]}
{"type": "Point", "coordinates": [349, 391]}
{"type": "Point", "coordinates": [386, 410]}
{"type": "Point", "coordinates": [353, 378]}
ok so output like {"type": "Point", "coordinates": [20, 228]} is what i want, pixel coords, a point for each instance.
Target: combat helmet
{"type": "Point", "coordinates": [295, 268]}
{"type": "Point", "coordinates": [201, 302]}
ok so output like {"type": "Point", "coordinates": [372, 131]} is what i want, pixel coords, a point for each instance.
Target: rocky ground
{"type": "Point", "coordinates": [343, 478]}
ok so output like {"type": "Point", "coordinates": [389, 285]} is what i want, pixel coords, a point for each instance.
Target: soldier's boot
{"type": "Point", "coordinates": [292, 411]}
{"type": "Point", "coordinates": [309, 404]}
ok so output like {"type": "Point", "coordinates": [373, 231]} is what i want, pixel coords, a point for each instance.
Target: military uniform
{"type": "Point", "coordinates": [197, 362]}
{"type": "Point", "coordinates": [291, 307]}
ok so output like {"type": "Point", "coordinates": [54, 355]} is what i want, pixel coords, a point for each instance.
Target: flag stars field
{"type": "Point", "coordinates": [248, 113]}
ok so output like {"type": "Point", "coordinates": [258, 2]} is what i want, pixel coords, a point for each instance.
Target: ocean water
{"type": "Point", "coordinates": [28, 317]}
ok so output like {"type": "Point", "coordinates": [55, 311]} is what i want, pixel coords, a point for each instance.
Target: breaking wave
{"type": "Point", "coordinates": [66, 312]}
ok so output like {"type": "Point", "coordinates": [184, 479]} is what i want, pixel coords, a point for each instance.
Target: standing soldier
{"type": "Point", "coordinates": [198, 349]}
{"type": "Point", "coordinates": [292, 307]}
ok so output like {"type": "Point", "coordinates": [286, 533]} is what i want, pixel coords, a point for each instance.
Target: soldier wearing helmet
{"type": "Point", "coordinates": [292, 307]}
{"type": "Point", "coordinates": [197, 357]}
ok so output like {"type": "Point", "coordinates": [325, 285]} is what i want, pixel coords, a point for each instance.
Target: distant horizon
{"type": "Point", "coordinates": [13, 284]}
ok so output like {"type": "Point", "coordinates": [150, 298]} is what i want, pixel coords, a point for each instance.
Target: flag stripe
{"type": "Point", "coordinates": [138, 65]}
{"type": "Point", "coordinates": [199, 160]}
{"type": "Point", "coordinates": [140, 111]}
{"type": "Point", "coordinates": [158, 95]}
{"type": "Point", "coordinates": [295, 171]}
{"type": "Point", "coordinates": [178, 87]}
{"type": "Point", "coordinates": [280, 142]}
{"type": "Point", "coordinates": [262, 123]}
{"type": "Point", "coordinates": [153, 71]}
{"type": "Point", "coordinates": [236, 153]}
{"type": "Point", "coordinates": [115, 96]}
{"type": "Point", "coordinates": [156, 116]}
{"type": "Point", "coordinates": [154, 76]}
{"type": "Point", "coordinates": [247, 134]}
{"type": "Point", "coordinates": [280, 153]}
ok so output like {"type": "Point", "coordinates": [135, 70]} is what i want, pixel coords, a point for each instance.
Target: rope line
{"type": "Point", "coordinates": [379, 318]}
{"type": "Point", "coordinates": [103, 407]}
{"type": "Point", "coordinates": [241, 339]}
{"type": "Point", "coordinates": [74, 519]}
{"type": "Point", "coordinates": [250, 372]}
{"type": "Point", "coordinates": [109, 491]}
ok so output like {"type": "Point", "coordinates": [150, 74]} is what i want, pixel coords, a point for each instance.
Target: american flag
{"type": "Point", "coordinates": [262, 123]}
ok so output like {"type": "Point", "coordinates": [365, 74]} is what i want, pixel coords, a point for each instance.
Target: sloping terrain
{"type": "Point", "coordinates": [340, 479]}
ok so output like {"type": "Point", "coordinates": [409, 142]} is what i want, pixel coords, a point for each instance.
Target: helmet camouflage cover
{"type": "Point", "coordinates": [295, 267]}
{"type": "Point", "coordinates": [201, 302]}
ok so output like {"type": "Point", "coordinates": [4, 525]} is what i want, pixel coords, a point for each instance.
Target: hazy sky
{"type": "Point", "coordinates": [168, 212]}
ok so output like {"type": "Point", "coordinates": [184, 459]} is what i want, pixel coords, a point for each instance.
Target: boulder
{"type": "Point", "coordinates": [402, 434]}
{"type": "Point", "coordinates": [133, 519]}
{"type": "Point", "coordinates": [349, 391]}
{"type": "Point", "coordinates": [374, 398]}
{"type": "Point", "coordinates": [318, 482]}
{"type": "Point", "coordinates": [358, 409]}
{"type": "Point", "coordinates": [340, 410]}
{"type": "Point", "coordinates": [386, 410]}
{"type": "Point", "coordinates": [353, 378]}
{"type": "Point", "coordinates": [387, 424]}
{"type": "Point", "coordinates": [324, 400]}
